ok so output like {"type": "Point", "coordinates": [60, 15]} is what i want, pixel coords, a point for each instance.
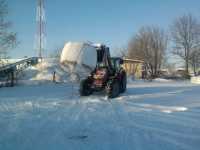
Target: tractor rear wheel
{"type": "Point", "coordinates": [85, 89]}
{"type": "Point", "coordinates": [114, 90]}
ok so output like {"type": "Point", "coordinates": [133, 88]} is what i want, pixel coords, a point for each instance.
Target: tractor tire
{"type": "Point", "coordinates": [123, 83]}
{"type": "Point", "coordinates": [85, 89]}
{"type": "Point", "coordinates": [114, 90]}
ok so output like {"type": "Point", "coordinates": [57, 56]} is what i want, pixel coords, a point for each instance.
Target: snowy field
{"type": "Point", "coordinates": [159, 115]}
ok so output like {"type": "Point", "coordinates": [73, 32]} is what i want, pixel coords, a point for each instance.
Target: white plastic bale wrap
{"type": "Point", "coordinates": [80, 53]}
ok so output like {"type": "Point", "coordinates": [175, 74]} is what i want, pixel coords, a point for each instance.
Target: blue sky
{"type": "Point", "coordinates": [112, 22]}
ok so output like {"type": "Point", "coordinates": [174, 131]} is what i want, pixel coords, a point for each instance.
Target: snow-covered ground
{"type": "Point", "coordinates": [158, 115]}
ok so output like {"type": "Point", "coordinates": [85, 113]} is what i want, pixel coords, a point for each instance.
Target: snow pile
{"type": "Point", "coordinates": [45, 70]}
{"type": "Point", "coordinates": [164, 109]}
{"type": "Point", "coordinates": [156, 80]}
{"type": "Point", "coordinates": [195, 80]}
{"type": "Point", "coordinates": [79, 53]}
{"type": "Point", "coordinates": [162, 80]}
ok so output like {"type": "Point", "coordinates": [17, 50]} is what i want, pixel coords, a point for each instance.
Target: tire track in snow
{"type": "Point", "coordinates": [136, 107]}
{"type": "Point", "coordinates": [120, 123]}
{"type": "Point", "coordinates": [152, 95]}
{"type": "Point", "coordinates": [78, 118]}
{"type": "Point", "coordinates": [159, 132]}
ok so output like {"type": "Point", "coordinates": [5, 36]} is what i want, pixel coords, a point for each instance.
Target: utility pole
{"type": "Point", "coordinates": [41, 33]}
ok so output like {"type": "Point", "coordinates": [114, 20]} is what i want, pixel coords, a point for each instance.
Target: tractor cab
{"type": "Point", "coordinates": [104, 61]}
{"type": "Point", "coordinates": [116, 63]}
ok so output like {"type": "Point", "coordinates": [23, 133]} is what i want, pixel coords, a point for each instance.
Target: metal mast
{"type": "Point", "coordinates": [41, 33]}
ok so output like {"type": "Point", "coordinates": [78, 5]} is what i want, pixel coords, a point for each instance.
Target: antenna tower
{"type": "Point", "coordinates": [41, 33]}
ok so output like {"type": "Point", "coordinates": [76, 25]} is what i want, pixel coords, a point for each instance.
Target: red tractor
{"type": "Point", "coordinates": [108, 75]}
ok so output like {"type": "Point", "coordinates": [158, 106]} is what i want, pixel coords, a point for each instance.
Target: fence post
{"type": "Point", "coordinates": [12, 78]}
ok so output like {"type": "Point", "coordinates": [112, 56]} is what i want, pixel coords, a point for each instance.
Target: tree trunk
{"type": "Point", "coordinates": [194, 69]}
{"type": "Point", "coordinates": [187, 66]}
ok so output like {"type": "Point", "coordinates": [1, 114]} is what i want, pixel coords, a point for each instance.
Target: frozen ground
{"type": "Point", "coordinates": [156, 115]}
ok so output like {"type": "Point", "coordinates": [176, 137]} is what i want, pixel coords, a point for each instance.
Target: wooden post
{"type": "Point", "coordinates": [12, 79]}
{"type": "Point", "coordinates": [54, 76]}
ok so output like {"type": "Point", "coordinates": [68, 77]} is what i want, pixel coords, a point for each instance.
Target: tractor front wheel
{"type": "Point", "coordinates": [85, 89]}
{"type": "Point", "coordinates": [113, 90]}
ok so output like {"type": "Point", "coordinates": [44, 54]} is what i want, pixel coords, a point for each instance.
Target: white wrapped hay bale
{"type": "Point", "coordinates": [79, 53]}
{"type": "Point", "coordinates": [195, 80]}
{"type": "Point", "coordinates": [79, 59]}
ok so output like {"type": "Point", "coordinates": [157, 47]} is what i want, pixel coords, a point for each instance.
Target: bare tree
{"type": "Point", "coordinates": [7, 38]}
{"type": "Point", "coordinates": [149, 45]}
{"type": "Point", "coordinates": [185, 32]}
{"type": "Point", "coordinates": [195, 60]}
{"type": "Point", "coordinates": [121, 52]}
